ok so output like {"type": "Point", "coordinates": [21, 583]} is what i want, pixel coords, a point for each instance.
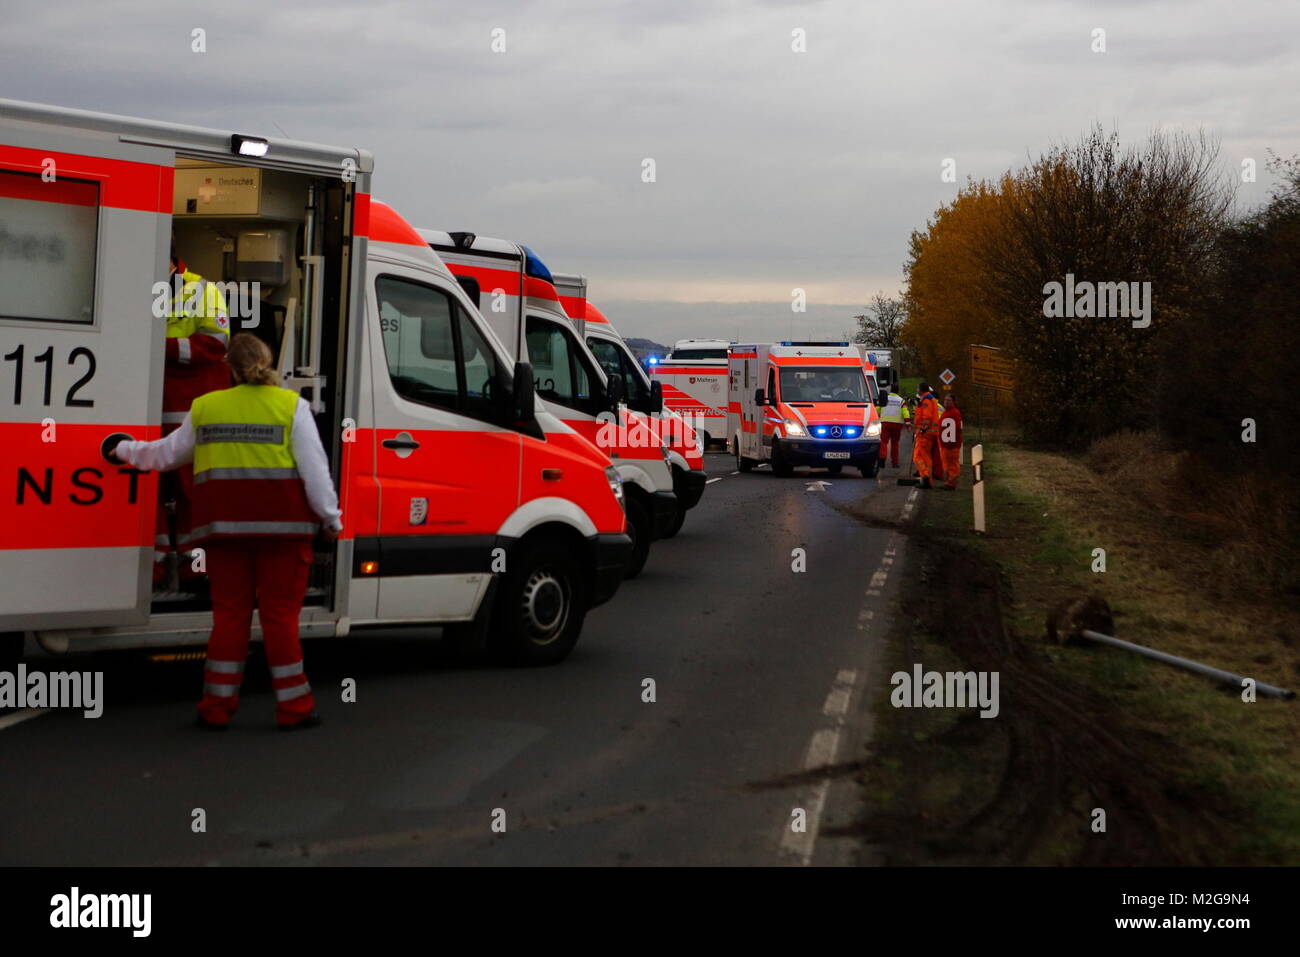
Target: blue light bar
{"type": "Point", "coordinates": [534, 266]}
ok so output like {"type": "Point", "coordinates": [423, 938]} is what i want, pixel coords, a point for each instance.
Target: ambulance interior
{"type": "Point", "coordinates": [280, 237]}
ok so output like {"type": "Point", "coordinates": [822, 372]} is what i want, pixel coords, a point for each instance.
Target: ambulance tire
{"type": "Point", "coordinates": [835, 469]}
{"type": "Point", "coordinates": [869, 469]}
{"type": "Point", "coordinates": [540, 609]}
{"type": "Point", "coordinates": [781, 468]}
{"type": "Point", "coordinates": [742, 464]}
{"type": "Point", "coordinates": [11, 650]}
{"type": "Point", "coordinates": [642, 532]}
{"type": "Point", "coordinates": [676, 525]}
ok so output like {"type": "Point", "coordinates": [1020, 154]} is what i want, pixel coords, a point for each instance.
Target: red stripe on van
{"type": "Point", "coordinates": [489, 280]}
{"type": "Point", "coordinates": [574, 306]}
{"type": "Point", "coordinates": [122, 184]}
{"type": "Point", "coordinates": [387, 226]}
{"type": "Point", "coordinates": [32, 187]}
{"type": "Point", "coordinates": [62, 494]}
{"type": "Point", "coordinates": [540, 289]}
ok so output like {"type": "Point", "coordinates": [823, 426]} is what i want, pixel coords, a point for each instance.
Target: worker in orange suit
{"type": "Point", "coordinates": [925, 425]}
{"type": "Point", "coordinates": [950, 439]}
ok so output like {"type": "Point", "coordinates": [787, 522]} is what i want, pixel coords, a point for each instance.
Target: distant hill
{"type": "Point", "coordinates": [644, 348]}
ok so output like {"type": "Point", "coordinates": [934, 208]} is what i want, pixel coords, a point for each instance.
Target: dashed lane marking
{"type": "Point", "coordinates": [18, 717]}
{"type": "Point", "coordinates": [712, 480]}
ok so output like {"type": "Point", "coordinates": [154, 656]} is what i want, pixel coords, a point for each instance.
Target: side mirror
{"type": "Point", "coordinates": [523, 396]}
{"type": "Point", "coordinates": [760, 398]}
{"type": "Point", "coordinates": [656, 397]}
{"type": "Point", "coordinates": [615, 391]}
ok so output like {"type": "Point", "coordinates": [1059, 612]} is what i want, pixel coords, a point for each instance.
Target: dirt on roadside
{"type": "Point", "coordinates": [950, 787]}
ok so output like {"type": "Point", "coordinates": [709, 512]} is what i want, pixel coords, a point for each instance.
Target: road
{"type": "Point", "coordinates": [760, 672]}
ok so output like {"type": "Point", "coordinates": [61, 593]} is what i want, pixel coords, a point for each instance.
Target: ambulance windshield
{"type": "Point", "coordinates": [823, 384]}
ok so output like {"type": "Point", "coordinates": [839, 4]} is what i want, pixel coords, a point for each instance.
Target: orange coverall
{"type": "Point", "coordinates": [926, 435]}
{"type": "Point", "coordinates": [951, 449]}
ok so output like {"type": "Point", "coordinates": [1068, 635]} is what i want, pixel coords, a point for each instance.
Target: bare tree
{"type": "Point", "coordinates": [882, 324]}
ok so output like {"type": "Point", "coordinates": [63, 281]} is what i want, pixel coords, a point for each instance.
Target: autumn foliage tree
{"type": "Point", "coordinates": [1097, 213]}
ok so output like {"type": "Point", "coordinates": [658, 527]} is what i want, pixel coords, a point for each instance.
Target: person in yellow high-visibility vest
{"type": "Point", "coordinates": [893, 414]}
{"type": "Point", "coordinates": [262, 489]}
{"type": "Point", "coordinates": [198, 331]}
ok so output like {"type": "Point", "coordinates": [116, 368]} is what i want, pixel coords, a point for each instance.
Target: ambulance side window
{"type": "Point", "coordinates": [771, 385]}
{"type": "Point", "coordinates": [435, 354]}
{"type": "Point", "coordinates": [558, 370]}
{"type": "Point", "coordinates": [615, 361]}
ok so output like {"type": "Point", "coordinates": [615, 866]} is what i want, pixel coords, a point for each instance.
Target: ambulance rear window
{"type": "Point", "coordinates": [698, 354]}
{"type": "Point", "coordinates": [48, 232]}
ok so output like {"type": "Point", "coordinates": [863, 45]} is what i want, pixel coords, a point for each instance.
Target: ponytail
{"type": "Point", "coordinates": [250, 361]}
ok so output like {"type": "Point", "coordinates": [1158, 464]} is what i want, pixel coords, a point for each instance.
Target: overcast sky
{"type": "Point", "coordinates": [774, 169]}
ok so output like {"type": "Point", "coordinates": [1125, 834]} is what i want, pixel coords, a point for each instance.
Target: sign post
{"type": "Point", "coordinates": [990, 368]}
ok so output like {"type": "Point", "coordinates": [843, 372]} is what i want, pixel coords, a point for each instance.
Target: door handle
{"type": "Point", "coordinates": [403, 443]}
{"type": "Point", "coordinates": [109, 444]}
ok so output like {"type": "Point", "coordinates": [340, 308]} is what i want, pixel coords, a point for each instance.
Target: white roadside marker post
{"type": "Point", "coordinates": [977, 485]}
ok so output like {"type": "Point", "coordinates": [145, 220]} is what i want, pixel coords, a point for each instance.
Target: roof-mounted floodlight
{"type": "Point", "coordinates": [248, 145]}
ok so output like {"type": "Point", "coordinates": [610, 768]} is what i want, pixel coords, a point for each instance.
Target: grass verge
{"type": "Point", "coordinates": [1185, 771]}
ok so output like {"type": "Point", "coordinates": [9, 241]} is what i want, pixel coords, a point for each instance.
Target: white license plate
{"type": "Point", "coordinates": [835, 455]}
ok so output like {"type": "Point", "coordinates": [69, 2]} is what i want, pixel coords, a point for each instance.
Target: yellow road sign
{"type": "Point", "coordinates": [991, 368]}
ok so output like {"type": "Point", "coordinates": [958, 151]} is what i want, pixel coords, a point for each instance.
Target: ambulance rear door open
{"type": "Point", "coordinates": [84, 224]}
{"type": "Point", "coordinates": [89, 205]}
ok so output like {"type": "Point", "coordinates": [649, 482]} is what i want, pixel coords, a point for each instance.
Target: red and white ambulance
{"type": "Point", "coordinates": [802, 403]}
{"type": "Point", "coordinates": [465, 503]}
{"type": "Point", "coordinates": [694, 377]}
{"type": "Point", "coordinates": [517, 295]}
{"type": "Point", "coordinates": [685, 448]}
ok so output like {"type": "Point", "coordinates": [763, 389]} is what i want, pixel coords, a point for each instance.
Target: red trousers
{"type": "Point", "coordinates": [271, 573]}
{"type": "Point", "coordinates": [891, 434]}
{"type": "Point", "coordinates": [951, 464]}
{"type": "Point", "coordinates": [925, 451]}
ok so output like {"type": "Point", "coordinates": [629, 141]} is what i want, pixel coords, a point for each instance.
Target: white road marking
{"type": "Point", "coordinates": [823, 747]}
{"type": "Point", "coordinates": [712, 480]}
{"type": "Point", "coordinates": [18, 717]}
{"type": "Point", "coordinates": [825, 741]}
{"type": "Point", "coordinates": [737, 472]}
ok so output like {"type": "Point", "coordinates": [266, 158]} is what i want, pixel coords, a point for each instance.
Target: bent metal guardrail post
{"type": "Point", "coordinates": [1227, 677]}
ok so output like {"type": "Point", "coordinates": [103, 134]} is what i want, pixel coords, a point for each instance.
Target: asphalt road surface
{"type": "Point", "coordinates": [760, 674]}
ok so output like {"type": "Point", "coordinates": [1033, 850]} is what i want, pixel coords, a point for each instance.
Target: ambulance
{"type": "Point", "coordinates": [802, 403]}
{"type": "Point", "coordinates": [685, 449]}
{"type": "Point", "coordinates": [694, 377]}
{"type": "Point", "coordinates": [879, 366]}
{"type": "Point", "coordinates": [465, 503]}
{"type": "Point", "coordinates": [517, 296]}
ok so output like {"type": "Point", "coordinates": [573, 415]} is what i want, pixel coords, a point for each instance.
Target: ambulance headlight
{"type": "Point", "coordinates": [873, 428]}
{"type": "Point", "coordinates": [615, 483]}
{"type": "Point", "coordinates": [794, 428]}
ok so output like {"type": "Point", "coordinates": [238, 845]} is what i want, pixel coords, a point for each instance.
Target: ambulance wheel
{"type": "Point", "coordinates": [835, 469]}
{"type": "Point", "coordinates": [639, 527]}
{"type": "Point", "coordinates": [780, 466]}
{"type": "Point", "coordinates": [541, 606]}
{"type": "Point", "coordinates": [869, 469]}
{"type": "Point", "coordinates": [742, 464]}
{"type": "Point", "coordinates": [676, 525]}
{"type": "Point", "coordinates": [11, 650]}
